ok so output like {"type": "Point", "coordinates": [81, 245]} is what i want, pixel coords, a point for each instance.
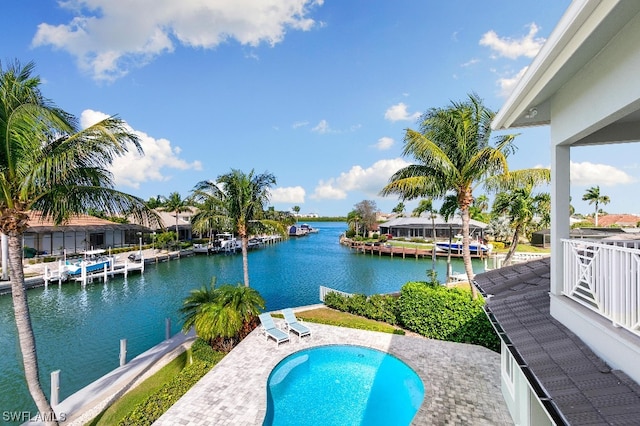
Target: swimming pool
{"type": "Point", "coordinates": [342, 385]}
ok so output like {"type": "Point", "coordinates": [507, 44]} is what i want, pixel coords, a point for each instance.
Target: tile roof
{"type": "Point", "coordinates": [575, 385]}
{"type": "Point", "coordinates": [38, 223]}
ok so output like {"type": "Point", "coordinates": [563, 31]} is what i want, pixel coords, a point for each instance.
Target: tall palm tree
{"type": "Point", "coordinates": [175, 204]}
{"type": "Point", "coordinates": [453, 155]}
{"type": "Point", "coordinates": [593, 197]}
{"type": "Point", "coordinates": [521, 207]}
{"type": "Point", "coordinates": [47, 164]}
{"type": "Point", "coordinates": [426, 206]}
{"type": "Point", "coordinates": [243, 198]}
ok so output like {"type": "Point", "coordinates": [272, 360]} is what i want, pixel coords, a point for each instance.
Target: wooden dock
{"type": "Point", "coordinates": [382, 249]}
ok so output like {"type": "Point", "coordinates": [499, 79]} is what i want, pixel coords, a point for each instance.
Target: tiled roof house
{"type": "Point", "coordinates": [570, 326]}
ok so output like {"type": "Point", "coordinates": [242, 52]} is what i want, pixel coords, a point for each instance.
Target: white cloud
{"type": "Point", "coordinates": [384, 143]}
{"type": "Point", "coordinates": [588, 174]}
{"type": "Point", "coordinates": [322, 127]}
{"type": "Point", "coordinates": [528, 45]}
{"type": "Point", "coordinates": [300, 124]}
{"type": "Point", "coordinates": [132, 169]}
{"type": "Point", "coordinates": [368, 180]}
{"type": "Point", "coordinates": [470, 62]}
{"type": "Point", "coordinates": [399, 112]}
{"type": "Point", "coordinates": [292, 194]}
{"type": "Point", "coordinates": [507, 84]}
{"type": "Point", "coordinates": [109, 37]}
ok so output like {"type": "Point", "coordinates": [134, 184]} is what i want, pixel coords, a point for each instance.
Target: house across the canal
{"type": "Point", "coordinates": [80, 233]}
{"type": "Point", "coordinates": [424, 227]}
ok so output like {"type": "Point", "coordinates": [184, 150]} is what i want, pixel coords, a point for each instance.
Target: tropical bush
{"type": "Point", "coordinates": [445, 313]}
{"type": "Point", "coordinates": [222, 316]}
{"type": "Point", "coordinates": [428, 309]}
{"type": "Point", "coordinates": [377, 307]}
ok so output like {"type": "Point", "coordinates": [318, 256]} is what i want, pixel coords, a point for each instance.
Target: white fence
{"type": "Point", "coordinates": [496, 261]}
{"type": "Point", "coordinates": [605, 277]}
{"type": "Point", "coordinates": [326, 290]}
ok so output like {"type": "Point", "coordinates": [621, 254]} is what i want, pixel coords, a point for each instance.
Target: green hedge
{"type": "Point", "coordinates": [147, 412]}
{"type": "Point", "coordinates": [446, 313]}
{"type": "Point", "coordinates": [433, 311]}
{"type": "Point", "coordinates": [377, 307]}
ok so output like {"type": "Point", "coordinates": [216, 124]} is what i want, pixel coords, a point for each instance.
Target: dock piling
{"type": "Point", "coordinates": [55, 388]}
{"type": "Point", "coordinates": [123, 352]}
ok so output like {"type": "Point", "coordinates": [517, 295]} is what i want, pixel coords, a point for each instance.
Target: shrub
{"type": "Point", "coordinates": [377, 307]}
{"type": "Point", "coordinates": [147, 412]}
{"type": "Point", "coordinates": [498, 245]}
{"type": "Point", "coordinates": [446, 314]}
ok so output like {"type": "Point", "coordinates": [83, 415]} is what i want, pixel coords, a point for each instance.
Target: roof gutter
{"type": "Point", "coordinates": [541, 393]}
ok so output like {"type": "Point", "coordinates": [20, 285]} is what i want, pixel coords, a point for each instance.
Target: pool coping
{"type": "Point", "coordinates": [461, 381]}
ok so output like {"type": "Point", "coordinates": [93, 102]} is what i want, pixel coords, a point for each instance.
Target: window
{"type": "Point", "coordinates": [508, 369]}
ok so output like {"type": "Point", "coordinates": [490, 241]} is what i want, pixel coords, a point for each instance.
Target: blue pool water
{"type": "Point", "coordinates": [342, 385]}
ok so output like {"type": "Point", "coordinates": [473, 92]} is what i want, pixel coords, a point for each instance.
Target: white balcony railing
{"type": "Point", "coordinates": [604, 276]}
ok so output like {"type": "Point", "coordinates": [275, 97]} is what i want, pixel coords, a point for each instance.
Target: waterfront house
{"type": "Point", "coordinates": [570, 326]}
{"type": "Point", "coordinates": [79, 233]}
{"type": "Point", "coordinates": [168, 223]}
{"type": "Point", "coordinates": [423, 227]}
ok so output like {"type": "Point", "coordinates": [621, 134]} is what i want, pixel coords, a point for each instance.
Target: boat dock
{"type": "Point", "coordinates": [116, 268]}
{"type": "Point", "coordinates": [386, 249]}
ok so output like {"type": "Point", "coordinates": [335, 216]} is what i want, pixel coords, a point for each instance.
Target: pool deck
{"type": "Point", "coordinates": [462, 382]}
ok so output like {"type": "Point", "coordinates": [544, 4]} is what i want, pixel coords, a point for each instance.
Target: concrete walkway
{"type": "Point", "coordinates": [462, 382]}
{"type": "Point", "coordinates": [89, 401]}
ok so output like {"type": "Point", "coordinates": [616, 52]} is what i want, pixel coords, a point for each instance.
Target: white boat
{"type": "Point", "coordinates": [227, 243]}
{"type": "Point", "coordinates": [309, 229]}
{"type": "Point", "coordinates": [254, 242]}
{"type": "Point", "coordinates": [297, 231]}
{"type": "Point", "coordinates": [475, 247]}
{"type": "Point", "coordinates": [203, 248]}
{"type": "Point", "coordinates": [93, 261]}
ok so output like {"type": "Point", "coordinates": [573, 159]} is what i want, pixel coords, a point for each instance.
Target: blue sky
{"type": "Point", "coordinates": [318, 93]}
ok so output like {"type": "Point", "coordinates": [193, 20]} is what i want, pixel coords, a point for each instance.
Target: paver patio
{"type": "Point", "coordinates": [462, 382]}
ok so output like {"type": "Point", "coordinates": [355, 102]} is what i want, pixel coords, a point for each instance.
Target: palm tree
{"type": "Point", "coordinates": [354, 220]}
{"type": "Point", "coordinates": [243, 198]}
{"type": "Point", "coordinates": [399, 209]}
{"type": "Point", "coordinates": [593, 196]}
{"type": "Point", "coordinates": [426, 206]}
{"type": "Point", "coordinates": [478, 207]}
{"type": "Point", "coordinates": [521, 207]}
{"type": "Point", "coordinates": [46, 164]}
{"type": "Point", "coordinates": [453, 155]}
{"type": "Point", "coordinates": [225, 312]}
{"type": "Point", "coordinates": [175, 204]}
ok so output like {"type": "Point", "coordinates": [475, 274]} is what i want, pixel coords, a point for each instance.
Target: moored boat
{"type": "Point", "coordinates": [93, 261]}
{"type": "Point", "coordinates": [455, 246]}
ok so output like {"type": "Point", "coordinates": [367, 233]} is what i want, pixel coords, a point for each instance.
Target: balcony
{"type": "Point", "coordinates": [604, 276]}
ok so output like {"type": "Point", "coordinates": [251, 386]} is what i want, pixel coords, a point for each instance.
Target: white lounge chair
{"type": "Point", "coordinates": [270, 330]}
{"type": "Point", "coordinates": [294, 325]}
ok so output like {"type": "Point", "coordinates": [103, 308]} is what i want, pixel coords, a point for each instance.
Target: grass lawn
{"type": "Point", "coordinates": [116, 412]}
{"type": "Point", "coordinates": [344, 319]}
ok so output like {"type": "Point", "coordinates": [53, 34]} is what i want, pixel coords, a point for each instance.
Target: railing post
{"type": "Point", "coordinates": [167, 328]}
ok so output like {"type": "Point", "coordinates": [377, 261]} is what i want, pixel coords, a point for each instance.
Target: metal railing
{"type": "Point", "coordinates": [604, 276]}
{"type": "Point", "coordinates": [326, 290]}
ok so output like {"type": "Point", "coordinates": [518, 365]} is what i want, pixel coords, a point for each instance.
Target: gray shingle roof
{"type": "Point", "coordinates": [572, 382]}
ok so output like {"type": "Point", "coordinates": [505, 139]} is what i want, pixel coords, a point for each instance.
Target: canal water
{"type": "Point", "coordinates": [78, 330]}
